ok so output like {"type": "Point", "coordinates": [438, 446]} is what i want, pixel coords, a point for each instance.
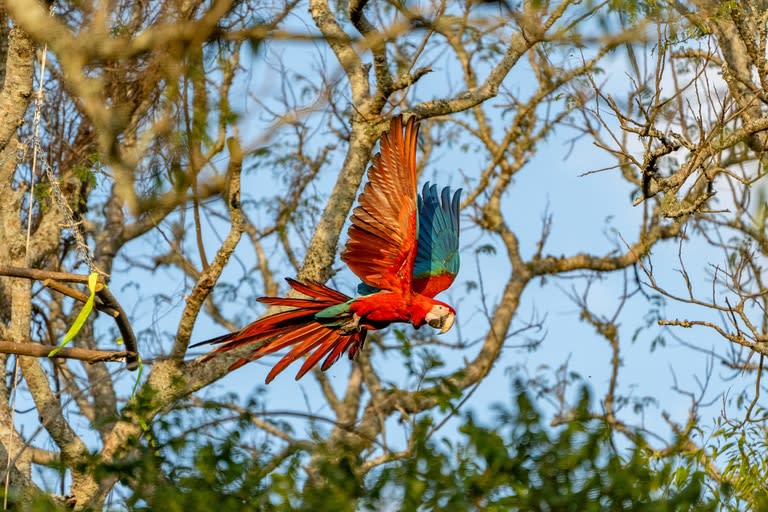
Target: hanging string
{"type": "Point", "coordinates": [35, 147]}
{"type": "Point", "coordinates": [69, 219]}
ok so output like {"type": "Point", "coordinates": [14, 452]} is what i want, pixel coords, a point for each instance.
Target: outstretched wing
{"type": "Point", "coordinates": [437, 258]}
{"type": "Point", "coordinates": [382, 238]}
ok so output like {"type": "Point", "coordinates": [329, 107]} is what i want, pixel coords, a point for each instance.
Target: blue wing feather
{"type": "Point", "coordinates": [366, 289]}
{"type": "Point", "coordinates": [437, 253]}
{"type": "Point", "coordinates": [438, 245]}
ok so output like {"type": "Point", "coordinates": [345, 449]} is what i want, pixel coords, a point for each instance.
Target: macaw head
{"type": "Point", "coordinates": [441, 316]}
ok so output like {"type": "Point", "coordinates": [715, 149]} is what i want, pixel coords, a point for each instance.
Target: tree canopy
{"type": "Point", "coordinates": [188, 155]}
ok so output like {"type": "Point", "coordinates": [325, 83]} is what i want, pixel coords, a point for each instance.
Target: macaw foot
{"type": "Point", "coordinates": [352, 326]}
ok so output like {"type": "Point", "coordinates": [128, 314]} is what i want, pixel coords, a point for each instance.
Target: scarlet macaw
{"type": "Point", "coordinates": [400, 271]}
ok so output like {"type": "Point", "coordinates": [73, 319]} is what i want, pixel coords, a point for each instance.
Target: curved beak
{"type": "Point", "coordinates": [444, 322]}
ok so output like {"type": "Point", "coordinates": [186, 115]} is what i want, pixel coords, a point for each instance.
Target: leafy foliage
{"type": "Point", "coordinates": [515, 463]}
{"type": "Point", "coordinates": [743, 446]}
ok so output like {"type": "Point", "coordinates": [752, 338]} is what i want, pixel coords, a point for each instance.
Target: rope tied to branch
{"type": "Point", "coordinates": [69, 223]}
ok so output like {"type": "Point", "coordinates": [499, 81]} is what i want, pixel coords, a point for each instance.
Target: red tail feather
{"type": "Point", "coordinates": [318, 291]}
{"type": "Point", "coordinates": [340, 348]}
{"type": "Point", "coordinates": [325, 345]}
{"type": "Point", "coordinates": [296, 327]}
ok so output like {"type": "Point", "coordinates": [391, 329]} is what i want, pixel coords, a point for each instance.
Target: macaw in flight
{"type": "Point", "coordinates": [402, 245]}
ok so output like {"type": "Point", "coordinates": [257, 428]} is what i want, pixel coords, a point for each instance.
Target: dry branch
{"type": "Point", "coordinates": [41, 275]}
{"type": "Point", "coordinates": [106, 303]}
{"type": "Point", "coordinates": [82, 354]}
